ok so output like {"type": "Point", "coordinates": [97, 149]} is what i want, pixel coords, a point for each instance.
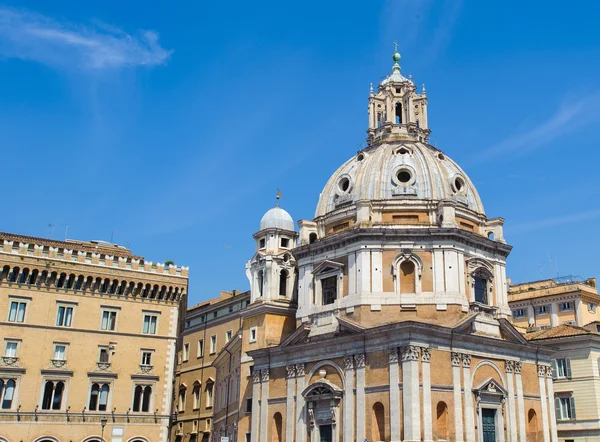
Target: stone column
{"type": "Point", "coordinates": [552, 411]}
{"type": "Point", "coordinates": [578, 316]}
{"type": "Point", "coordinates": [360, 396]}
{"type": "Point", "coordinates": [469, 410]}
{"type": "Point", "coordinates": [458, 418]}
{"type": "Point", "coordinates": [289, 402]}
{"type": "Point", "coordinates": [300, 412]}
{"type": "Point", "coordinates": [411, 403]}
{"type": "Point", "coordinates": [255, 406]}
{"type": "Point", "coordinates": [543, 401]}
{"type": "Point", "coordinates": [520, 402]}
{"type": "Point", "coordinates": [553, 314]}
{"type": "Point", "coordinates": [348, 420]}
{"type": "Point", "coordinates": [264, 404]}
{"type": "Point", "coordinates": [512, 415]}
{"type": "Point", "coordinates": [394, 396]}
{"type": "Point", "coordinates": [426, 372]}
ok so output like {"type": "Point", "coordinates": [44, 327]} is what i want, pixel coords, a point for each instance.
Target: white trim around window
{"type": "Point", "coordinates": [150, 319]}
{"type": "Point", "coordinates": [65, 313]}
{"type": "Point", "coordinates": [109, 318]}
{"type": "Point", "coordinates": [18, 308]}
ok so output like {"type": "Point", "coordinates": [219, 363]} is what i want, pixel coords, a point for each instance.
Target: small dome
{"type": "Point", "coordinates": [277, 218]}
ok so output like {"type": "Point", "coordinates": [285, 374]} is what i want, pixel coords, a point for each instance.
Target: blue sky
{"type": "Point", "coordinates": [171, 126]}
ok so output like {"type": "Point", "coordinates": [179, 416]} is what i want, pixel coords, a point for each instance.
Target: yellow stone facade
{"type": "Point", "coordinates": [89, 336]}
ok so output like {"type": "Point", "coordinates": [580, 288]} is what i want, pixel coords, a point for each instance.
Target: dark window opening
{"type": "Point", "coordinates": [398, 113]}
{"type": "Point", "coordinates": [312, 238]}
{"type": "Point", "coordinates": [403, 176]}
{"type": "Point", "coordinates": [283, 276]}
{"type": "Point", "coordinates": [480, 290]}
{"type": "Point", "coordinates": [285, 242]}
{"type": "Point", "coordinates": [329, 290]}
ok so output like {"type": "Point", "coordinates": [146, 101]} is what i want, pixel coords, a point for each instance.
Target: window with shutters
{"type": "Point", "coordinates": [7, 393]}
{"type": "Point", "coordinates": [17, 309]}
{"type": "Point", "coordinates": [64, 315]}
{"type": "Point", "coordinates": [518, 313]}
{"type": "Point", "coordinates": [149, 324]}
{"type": "Point", "coordinates": [565, 408]}
{"type": "Point", "coordinates": [565, 306]}
{"type": "Point", "coordinates": [562, 368]}
{"type": "Point", "coordinates": [99, 394]}
{"type": "Point", "coordinates": [213, 344]}
{"type": "Point", "coordinates": [108, 319]}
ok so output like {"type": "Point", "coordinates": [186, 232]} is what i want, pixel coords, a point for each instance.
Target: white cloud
{"type": "Point", "coordinates": [569, 117]}
{"type": "Point", "coordinates": [34, 37]}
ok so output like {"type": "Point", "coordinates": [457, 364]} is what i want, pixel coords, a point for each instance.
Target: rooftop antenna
{"type": "Point", "coordinates": [51, 230]}
{"type": "Point", "coordinates": [279, 195]}
{"type": "Point", "coordinates": [112, 235]}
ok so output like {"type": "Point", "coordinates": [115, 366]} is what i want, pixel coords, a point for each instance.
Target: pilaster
{"type": "Point", "coordinates": [300, 412]}
{"type": "Point", "coordinates": [520, 402]}
{"type": "Point", "coordinates": [552, 411]}
{"type": "Point", "coordinates": [411, 404]}
{"type": "Point", "coordinates": [254, 428]}
{"type": "Point", "coordinates": [348, 420]}
{"type": "Point", "coordinates": [289, 402]}
{"type": "Point", "coordinates": [360, 396]}
{"type": "Point", "coordinates": [264, 404]}
{"type": "Point", "coordinates": [544, 402]}
{"type": "Point", "coordinates": [512, 415]}
{"type": "Point", "coordinates": [458, 418]}
{"type": "Point", "coordinates": [426, 373]}
{"type": "Point", "coordinates": [469, 410]}
{"type": "Point", "coordinates": [394, 395]}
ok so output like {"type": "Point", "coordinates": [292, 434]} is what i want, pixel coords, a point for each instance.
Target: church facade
{"type": "Point", "coordinates": [386, 317]}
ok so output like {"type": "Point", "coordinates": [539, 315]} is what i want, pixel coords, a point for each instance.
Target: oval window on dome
{"type": "Point", "coordinates": [458, 184]}
{"type": "Point", "coordinates": [344, 185]}
{"type": "Point", "coordinates": [404, 175]}
{"type": "Point", "coordinates": [360, 157]}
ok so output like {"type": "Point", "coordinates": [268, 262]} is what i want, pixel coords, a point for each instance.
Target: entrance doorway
{"type": "Point", "coordinates": [488, 423]}
{"type": "Point", "coordinates": [325, 433]}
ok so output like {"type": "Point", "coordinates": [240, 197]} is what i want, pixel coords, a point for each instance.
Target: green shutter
{"type": "Point", "coordinates": [572, 406]}
{"type": "Point", "coordinates": [557, 408]}
{"type": "Point", "coordinates": [568, 368]}
{"type": "Point", "coordinates": [554, 369]}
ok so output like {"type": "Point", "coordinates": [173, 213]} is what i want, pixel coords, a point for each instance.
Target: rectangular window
{"type": "Point", "coordinates": [518, 313]}
{"type": "Point", "coordinates": [213, 345]}
{"type": "Point", "coordinates": [214, 314]}
{"type": "Point", "coordinates": [200, 348]}
{"type": "Point", "coordinates": [329, 290]}
{"type": "Point", "coordinates": [253, 333]}
{"type": "Point", "coordinates": [565, 408]}
{"type": "Point", "coordinates": [109, 320]}
{"type": "Point", "coordinates": [186, 352]}
{"type": "Point", "coordinates": [285, 242]}
{"type": "Point", "coordinates": [562, 368]}
{"type": "Point", "coordinates": [16, 312]}
{"type": "Point", "coordinates": [150, 322]}
{"type": "Point", "coordinates": [10, 349]}
{"type": "Point", "coordinates": [591, 307]}
{"type": "Point", "coordinates": [103, 354]}
{"type": "Point", "coordinates": [146, 357]}
{"type": "Point", "coordinates": [541, 310]}
{"type": "Point", "coordinates": [230, 308]}
{"type": "Point", "coordinates": [248, 437]}
{"type": "Point", "coordinates": [60, 352]}
{"type": "Point", "coordinates": [228, 336]}
{"type": "Point", "coordinates": [263, 243]}
{"type": "Point", "coordinates": [249, 405]}
{"type": "Point", "coordinates": [565, 306]}
{"type": "Point", "coordinates": [64, 316]}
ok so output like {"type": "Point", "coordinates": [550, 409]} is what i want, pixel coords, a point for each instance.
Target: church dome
{"type": "Point", "coordinates": [277, 218]}
{"type": "Point", "coordinates": [399, 171]}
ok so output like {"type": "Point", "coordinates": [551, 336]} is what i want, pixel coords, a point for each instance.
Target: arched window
{"type": "Point", "coordinates": [146, 398]}
{"type": "Point", "coordinates": [61, 280]}
{"type": "Point", "coordinates": [141, 398]}
{"type": "Point", "coordinates": [378, 422]}
{"type": "Point", "coordinates": [52, 279]}
{"type": "Point", "coordinates": [71, 281]}
{"type": "Point", "coordinates": [163, 292]}
{"type": "Point", "coordinates": [99, 397]}
{"type": "Point", "coordinates": [7, 393]}
{"type": "Point", "coordinates": [532, 426]}
{"type": "Point", "coordinates": [312, 238]}
{"type": "Point", "coordinates": [181, 402]}
{"type": "Point", "coordinates": [154, 291]}
{"type": "Point", "coordinates": [53, 392]}
{"type": "Point", "coordinates": [43, 278]}
{"type": "Point", "coordinates": [196, 394]}
{"type": "Point", "coordinates": [283, 279]}
{"type": "Point", "coordinates": [114, 286]}
{"type": "Point", "coordinates": [441, 419]}
{"type": "Point", "coordinates": [12, 277]}
{"type": "Point", "coordinates": [277, 428]}
{"type": "Point", "coordinates": [210, 388]}
{"type": "Point", "coordinates": [5, 273]}
{"type": "Point", "coordinates": [481, 289]}
{"type": "Point", "coordinates": [147, 291]}
{"type": "Point", "coordinates": [35, 273]}
{"type": "Point", "coordinates": [24, 275]}
{"type": "Point", "coordinates": [407, 277]}
{"type": "Point", "coordinates": [398, 113]}
{"type": "Point", "coordinates": [260, 281]}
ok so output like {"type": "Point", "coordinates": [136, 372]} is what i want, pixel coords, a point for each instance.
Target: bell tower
{"type": "Point", "coordinates": [396, 110]}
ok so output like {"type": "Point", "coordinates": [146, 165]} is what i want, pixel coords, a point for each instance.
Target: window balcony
{"type": "Point", "coordinates": [144, 368]}
{"type": "Point", "coordinates": [103, 366]}
{"type": "Point", "coordinates": [58, 363]}
{"type": "Point", "coordinates": [9, 361]}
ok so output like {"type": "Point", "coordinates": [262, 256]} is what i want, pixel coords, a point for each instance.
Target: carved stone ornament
{"type": "Point", "coordinates": [466, 360]}
{"type": "Point", "coordinates": [541, 370]}
{"type": "Point", "coordinates": [393, 356]}
{"type": "Point", "coordinates": [510, 366]}
{"type": "Point", "coordinates": [360, 360]}
{"type": "Point", "coordinates": [300, 370]}
{"type": "Point", "coordinates": [311, 414]}
{"type": "Point", "coordinates": [549, 371]}
{"type": "Point", "coordinates": [145, 369]}
{"type": "Point", "coordinates": [455, 359]}
{"type": "Point", "coordinates": [57, 363]}
{"type": "Point", "coordinates": [8, 361]}
{"type": "Point", "coordinates": [425, 355]}
{"type": "Point", "coordinates": [102, 366]}
{"type": "Point", "coordinates": [333, 409]}
{"type": "Point", "coordinates": [518, 367]}
{"type": "Point", "coordinates": [349, 361]}
{"type": "Point", "coordinates": [265, 374]}
{"type": "Point", "coordinates": [492, 387]}
{"type": "Point", "coordinates": [291, 371]}
{"type": "Point", "coordinates": [410, 353]}
{"type": "Point", "coordinates": [256, 376]}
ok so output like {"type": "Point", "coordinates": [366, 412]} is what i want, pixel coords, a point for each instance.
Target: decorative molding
{"type": "Point", "coordinates": [510, 366]}
{"type": "Point", "coordinates": [549, 371]}
{"type": "Point", "coordinates": [360, 360]}
{"type": "Point", "coordinates": [518, 367]}
{"type": "Point", "coordinates": [541, 370]}
{"type": "Point", "coordinates": [290, 371]}
{"type": "Point", "coordinates": [425, 355]}
{"type": "Point", "coordinates": [456, 359]}
{"type": "Point", "coordinates": [349, 361]}
{"type": "Point", "coordinates": [256, 376]}
{"type": "Point", "coordinates": [300, 370]}
{"type": "Point", "coordinates": [393, 356]}
{"type": "Point", "coordinates": [466, 360]}
{"type": "Point", "coordinates": [410, 353]}
{"type": "Point", "coordinates": [265, 374]}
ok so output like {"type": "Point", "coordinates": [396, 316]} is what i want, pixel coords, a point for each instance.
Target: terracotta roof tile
{"type": "Point", "coordinates": [559, 331]}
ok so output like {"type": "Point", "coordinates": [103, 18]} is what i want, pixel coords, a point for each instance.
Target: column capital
{"type": "Point", "coordinates": [290, 371]}
{"type": "Point", "coordinates": [349, 362]}
{"type": "Point", "coordinates": [410, 353]}
{"type": "Point", "coordinates": [541, 370]}
{"type": "Point", "coordinates": [510, 366]}
{"type": "Point", "coordinates": [425, 354]}
{"type": "Point", "coordinates": [256, 376]}
{"type": "Point", "coordinates": [265, 374]}
{"type": "Point", "coordinates": [549, 371]}
{"type": "Point", "coordinates": [360, 360]}
{"type": "Point", "coordinates": [466, 360]}
{"type": "Point", "coordinates": [518, 367]}
{"type": "Point", "coordinates": [456, 359]}
{"type": "Point", "coordinates": [393, 355]}
{"type": "Point", "coordinates": [299, 370]}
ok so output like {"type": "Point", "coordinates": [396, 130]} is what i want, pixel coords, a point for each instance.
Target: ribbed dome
{"type": "Point", "coordinates": [277, 218]}
{"type": "Point", "coordinates": [398, 171]}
